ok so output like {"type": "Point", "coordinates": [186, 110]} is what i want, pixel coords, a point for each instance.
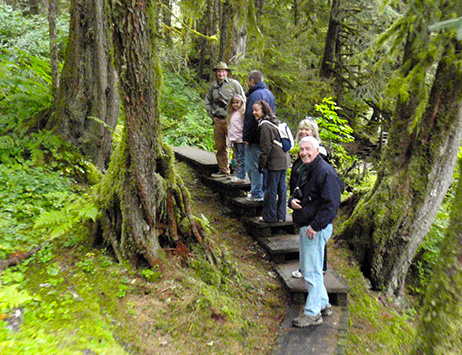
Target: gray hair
{"type": "Point", "coordinates": [313, 141]}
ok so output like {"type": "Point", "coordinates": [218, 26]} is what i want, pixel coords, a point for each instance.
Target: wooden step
{"type": "Point", "coordinates": [242, 207]}
{"type": "Point", "coordinates": [281, 247]}
{"type": "Point", "coordinates": [260, 229]}
{"type": "Point", "coordinates": [225, 187]}
{"type": "Point", "coordinates": [337, 288]}
{"type": "Point", "coordinates": [205, 163]}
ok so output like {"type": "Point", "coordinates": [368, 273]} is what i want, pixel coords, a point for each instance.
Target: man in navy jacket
{"type": "Point", "coordinates": [257, 91]}
{"type": "Point", "coordinates": [315, 208]}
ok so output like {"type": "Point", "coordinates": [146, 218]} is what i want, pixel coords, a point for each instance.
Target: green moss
{"type": "Point", "coordinates": [75, 304]}
{"type": "Point", "coordinates": [376, 326]}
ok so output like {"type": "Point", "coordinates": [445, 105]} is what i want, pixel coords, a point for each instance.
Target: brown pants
{"type": "Point", "coordinates": [220, 133]}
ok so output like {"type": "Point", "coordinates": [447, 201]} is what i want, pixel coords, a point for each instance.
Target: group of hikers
{"type": "Point", "coordinates": [248, 123]}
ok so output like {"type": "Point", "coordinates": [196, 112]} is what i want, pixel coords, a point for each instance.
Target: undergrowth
{"type": "Point", "coordinates": [376, 325]}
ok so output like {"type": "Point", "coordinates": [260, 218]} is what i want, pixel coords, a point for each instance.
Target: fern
{"type": "Point", "coordinates": [11, 298]}
{"type": "Point", "coordinates": [76, 209]}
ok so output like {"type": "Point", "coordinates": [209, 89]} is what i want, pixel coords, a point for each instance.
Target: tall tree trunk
{"type": "Point", "coordinates": [331, 42]}
{"type": "Point", "coordinates": [87, 102]}
{"type": "Point", "coordinates": [141, 198]}
{"type": "Point", "coordinates": [241, 46]}
{"type": "Point", "coordinates": [33, 7]}
{"type": "Point", "coordinates": [295, 10]}
{"type": "Point", "coordinates": [167, 18]}
{"type": "Point", "coordinates": [226, 32]}
{"type": "Point", "coordinates": [233, 34]}
{"type": "Point", "coordinates": [213, 50]}
{"type": "Point", "coordinates": [204, 26]}
{"type": "Point", "coordinates": [387, 227]}
{"type": "Point", "coordinates": [439, 328]}
{"type": "Point", "coordinates": [53, 46]}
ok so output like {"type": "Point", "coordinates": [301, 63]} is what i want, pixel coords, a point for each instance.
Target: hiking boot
{"type": "Point", "coordinates": [305, 320]}
{"type": "Point", "coordinates": [327, 310]}
{"type": "Point", "coordinates": [297, 274]}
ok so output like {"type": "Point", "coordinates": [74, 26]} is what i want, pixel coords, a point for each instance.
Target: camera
{"type": "Point", "coordinates": [221, 102]}
{"type": "Point", "coordinates": [298, 194]}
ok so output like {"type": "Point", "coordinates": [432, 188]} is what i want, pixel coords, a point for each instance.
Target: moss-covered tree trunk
{"type": "Point", "coordinates": [390, 223]}
{"type": "Point", "coordinates": [87, 103]}
{"type": "Point", "coordinates": [441, 315]}
{"type": "Point", "coordinates": [141, 198]}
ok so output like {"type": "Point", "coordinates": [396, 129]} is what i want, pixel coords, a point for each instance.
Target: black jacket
{"type": "Point", "coordinates": [321, 190]}
{"type": "Point", "coordinates": [294, 174]}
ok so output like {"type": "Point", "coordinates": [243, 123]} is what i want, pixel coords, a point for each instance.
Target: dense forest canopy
{"type": "Point", "coordinates": [96, 91]}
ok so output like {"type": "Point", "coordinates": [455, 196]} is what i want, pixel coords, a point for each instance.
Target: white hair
{"type": "Point", "coordinates": [310, 139]}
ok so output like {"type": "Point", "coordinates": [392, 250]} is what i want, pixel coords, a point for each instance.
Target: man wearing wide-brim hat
{"type": "Point", "coordinates": [216, 102]}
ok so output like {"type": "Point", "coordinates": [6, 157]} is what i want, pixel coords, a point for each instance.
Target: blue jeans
{"type": "Point", "coordinates": [275, 203]}
{"type": "Point", "coordinates": [251, 153]}
{"type": "Point", "coordinates": [238, 149]}
{"type": "Point", "coordinates": [311, 262]}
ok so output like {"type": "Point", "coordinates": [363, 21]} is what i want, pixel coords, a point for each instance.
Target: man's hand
{"type": "Point", "coordinates": [295, 203]}
{"type": "Point", "coordinates": [310, 232]}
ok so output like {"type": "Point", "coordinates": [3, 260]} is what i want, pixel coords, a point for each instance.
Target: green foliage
{"type": "Point", "coordinates": [43, 148]}
{"type": "Point", "coordinates": [75, 209]}
{"type": "Point", "coordinates": [421, 269]}
{"type": "Point", "coordinates": [334, 131]}
{"type": "Point", "coordinates": [26, 192]}
{"type": "Point", "coordinates": [63, 317]}
{"type": "Point", "coordinates": [333, 128]}
{"type": "Point", "coordinates": [24, 86]}
{"type": "Point", "coordinates": [30, 34]}
{"type": "Point", "coordinates": [152, 275]}
{"type": "Point", "coordinates": [11, 298]}
{"type": "Point", "coordinates": [184, 119]}
{"type": "Point", "coordinates": [24, 64]}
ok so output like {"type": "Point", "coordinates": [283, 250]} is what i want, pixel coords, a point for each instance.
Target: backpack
{"type": "Point", "coordinates": [287, 139]}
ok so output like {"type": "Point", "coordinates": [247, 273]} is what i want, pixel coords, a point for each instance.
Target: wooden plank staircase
{"type": "Point", "coordinates": [280, 239]}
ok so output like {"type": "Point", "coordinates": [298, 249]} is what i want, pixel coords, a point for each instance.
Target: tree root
{"type": "Point", "coordinates": [17, 258]}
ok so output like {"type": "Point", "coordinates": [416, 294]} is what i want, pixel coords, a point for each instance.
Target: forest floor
{"type": "Point", "coordinates": [78, 300]}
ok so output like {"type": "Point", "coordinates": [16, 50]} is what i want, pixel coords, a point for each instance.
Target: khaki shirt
{"type": "Point", "coordinates": [218, 96]}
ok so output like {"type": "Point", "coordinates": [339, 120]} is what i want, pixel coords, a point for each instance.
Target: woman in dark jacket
{"type": "Point", "coordinates": [276, 162]}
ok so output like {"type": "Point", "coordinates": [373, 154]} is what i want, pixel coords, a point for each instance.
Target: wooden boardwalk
{"type": "Point", "coordinates": [282, 244]}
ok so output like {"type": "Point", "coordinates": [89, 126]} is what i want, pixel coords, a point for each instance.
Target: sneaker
{"type": "Point", "coordinates": [327, 310]}
{"type": "Point", "coordinates": [236, 180]}
{"type": "Point", "coordinates": [297, 274]}
{"type": "Point", "coordinates": [220, 174]}
{"type": "Point", "coordinates": [254, 199]}
{"type": "Point", "coordinates": [305, 320]}
{"type": "Point", "coordinates": [261, 219]}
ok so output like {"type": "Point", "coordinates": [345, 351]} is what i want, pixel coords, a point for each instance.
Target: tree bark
{"type": "Point", "coordinates": [33, 7]}
{"type": "Point", "coordinates": [86, 108]}
{"type": "Point", "coordinates": [213, 50]}
{"type": "Point", "coordinates": [439, 328]}
{"type": "Point", "coordinates": [387, 227]}
{"type": "Point", "coordinates": [331, 43]}
{"type": "Point", "coordinates": [53, 46]}
{"type": "Point", "coordinates": [141, 198]}
{"type": "Point", "coordinates": [226, 32]}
